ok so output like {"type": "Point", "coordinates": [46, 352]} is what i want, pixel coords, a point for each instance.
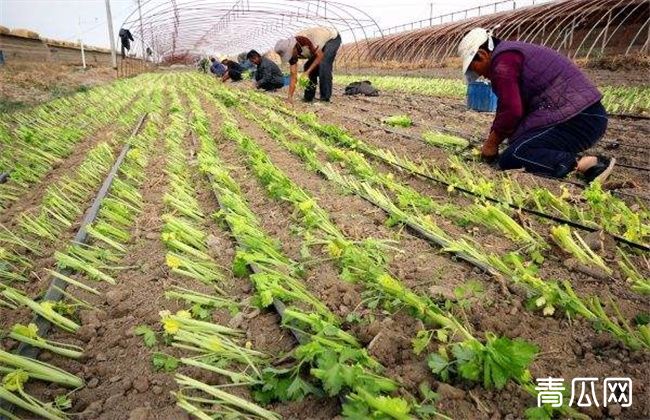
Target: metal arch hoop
{"type": "Point", "coordinates": [603, 33]}
{"type": "Point", "coordinates": [184, 26]}
{"type": "Point", "coordinates": [553, 24]}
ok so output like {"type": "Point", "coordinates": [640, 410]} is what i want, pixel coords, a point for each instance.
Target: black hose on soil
{"type": "Point", "coordinates": [530, 211]}
{"type": "Point", "coordinates": [631, 116]}
{"type": "Point", "coordinates": [543, 215]}
{"type": "Point", "coordinates": [277, 305]}
{"type": "Point", "coordinates": [638, 168]}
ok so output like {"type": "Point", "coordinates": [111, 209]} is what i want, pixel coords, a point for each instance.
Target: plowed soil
{"type": "Point", "coordinates": [122, 383]}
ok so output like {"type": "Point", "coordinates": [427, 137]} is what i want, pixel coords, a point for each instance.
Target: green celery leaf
{"type": "Point", "coordinates": [240, 265]}
{"type": "Point", "coordinates": [330, 372]}
{"type": "Point", "coordinates": [300, 388]}
{"type": "Point", "coordinates": [148, 335]}
{"type": "Point", "coordinates": [421, 341]}
{"type": "Point", "coordinates": [164, 362]}
{"type": "Point", "coordinates": [63, 402]}
{"type": "Point", "coordinates": [538, 413]}
{"type": "Point", "coordinates": [468, 360]}
{"type": "Point", "coordinates": [439, 366]}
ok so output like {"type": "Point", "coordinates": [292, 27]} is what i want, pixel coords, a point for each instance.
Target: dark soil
{"type": "Point", "coordinates": [121, 382]}
{"type": "Point", "coordinates": [499, 314]}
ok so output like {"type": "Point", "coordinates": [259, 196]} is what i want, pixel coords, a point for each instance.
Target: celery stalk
{"type": "Point", "coordinates": [226, 398]}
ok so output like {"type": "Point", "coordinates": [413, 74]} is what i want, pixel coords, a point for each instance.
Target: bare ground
{"type": "Point", "coordinates": [28, 84]}
{"type": "Point", "coordinates": [117, 368]}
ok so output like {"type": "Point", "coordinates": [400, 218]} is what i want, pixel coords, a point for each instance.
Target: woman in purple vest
{"type": "Point", "coordinates": [547, 108]}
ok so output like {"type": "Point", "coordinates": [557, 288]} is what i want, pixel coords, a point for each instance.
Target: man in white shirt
{"type": "Point", "coordinates": [319, 46]}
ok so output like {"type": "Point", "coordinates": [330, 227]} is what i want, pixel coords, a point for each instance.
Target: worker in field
{"type": "Point", "coordinates": [233, 71]}
{"type": "Point", "coordinates": [268, 75]}
{"type": "Point", "coordinates": [547, 108]}
{"type": "Point", "coordinates": [319, 46]}
{"type": "Point", "coordinates": [125, 40]}
{"type": "Point", "coordinates": [217, 68]}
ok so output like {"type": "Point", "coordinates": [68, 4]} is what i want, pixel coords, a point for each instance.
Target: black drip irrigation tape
{"type": "Point", "coordinates": [277, 305]}
{"type": "Point", "coordinates": [638, 168]}
{"type": "Point", "coordinates": [528, 210]}
{"type": "Point", "coordinates": [631, 116]}
{"type": "Point", "coordinates": [537, 213]}
{"type": "Point", "coordinates": [563, 181]}
{"type": "Point", "coordinates": [582, 185]}
{"type": "Point", "coordinates": [55, 291]}
{"type": "Point", "coordinates": [418, 231]}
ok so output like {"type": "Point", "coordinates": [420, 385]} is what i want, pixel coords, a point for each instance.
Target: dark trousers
{"type": "Point", "coordinates": [554, 150]}
{"type": "Point", "coordinates": [271, 86]}
{"type": "Point", "coordinates": [322, 74]}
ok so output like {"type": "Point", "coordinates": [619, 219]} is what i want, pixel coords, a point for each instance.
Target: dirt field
{"type": "Point", "coordinates": [626, 139]}
{"type": "Point", "coordinates": [117, 369]}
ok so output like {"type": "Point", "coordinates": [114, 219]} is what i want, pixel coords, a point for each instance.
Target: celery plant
{"type": "Point", "coordinates": [39, 370]}
{"type": "Point", "coordinates": [638, 283]}
{"type": "Point", "coordinates": [29, 334]}
{"type": "Point", "coordinates": [265, 254]}
{"type": "Point", "coordinates": [579, 249]}
{"type": "Point", "coordinates": [356, 259]}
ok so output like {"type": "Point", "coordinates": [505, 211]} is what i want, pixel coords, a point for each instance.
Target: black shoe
{"type": "Point", "coordinates": [323, 100]}
{"type": "Point", "coordinates": [600, 171]}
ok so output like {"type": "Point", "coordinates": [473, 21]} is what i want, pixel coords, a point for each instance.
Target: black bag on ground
{"type": "Point", "coordinates": [361, 88]}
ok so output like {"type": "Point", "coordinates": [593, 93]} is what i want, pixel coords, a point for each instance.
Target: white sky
{"type": "Point", "coordinates": [61, 19]}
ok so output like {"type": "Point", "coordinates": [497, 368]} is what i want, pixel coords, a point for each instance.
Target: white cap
{"type": "Point", "coordinates": [469, 46]}
{"type": "Point", "coordinates": [284, 48]}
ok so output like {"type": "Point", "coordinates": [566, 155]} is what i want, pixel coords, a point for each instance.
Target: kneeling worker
{"type": "Point", "coordinates": [217, 68]}
{"type": "Point", "coordinates": [547, 107]}
{"type": "Point", "coordinates": [233, 71]}
{"type": "Point", "coordinates": [268, 75]}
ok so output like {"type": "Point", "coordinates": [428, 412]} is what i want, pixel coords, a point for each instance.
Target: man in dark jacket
{"type": "Point", "coordinates": [125, 39]}
{"type": "Point", "coordinates": [268, 75]}
{"type": "Point", "coordinates": [233, 71]}
{"type": "Point", "coordinates": [547, 107]}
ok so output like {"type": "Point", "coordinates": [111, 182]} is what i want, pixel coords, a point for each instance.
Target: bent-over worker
{"type": "Point", "coordinates": [217, 68]}
{"type": "Point", "coordinates": [233, 71]}
{"type": "Point", "coordinates": [319, 46]}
